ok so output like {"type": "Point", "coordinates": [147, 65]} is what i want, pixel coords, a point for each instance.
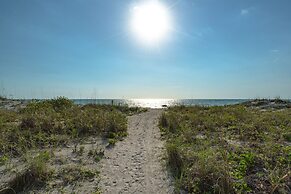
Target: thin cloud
{"type": "Point", "coordinates": [246, 11]}
{"type": "Point", "coordinates": [275, 51]}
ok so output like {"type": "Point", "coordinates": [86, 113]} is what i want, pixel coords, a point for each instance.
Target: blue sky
{"type": "Point", "coordinates": [84, 49]}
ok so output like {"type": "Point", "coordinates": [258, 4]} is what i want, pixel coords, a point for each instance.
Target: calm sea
{"type": "Point", "coordinates": [158, 103]}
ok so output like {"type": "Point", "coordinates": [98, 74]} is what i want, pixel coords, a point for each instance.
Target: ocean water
{"type": "Point", "coordinates": [160, 103]}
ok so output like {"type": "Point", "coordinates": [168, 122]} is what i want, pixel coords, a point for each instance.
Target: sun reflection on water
{"type": "Point", "coordinates": [152, 103]}
{"type": "Point", "coordinates": [160, 103]}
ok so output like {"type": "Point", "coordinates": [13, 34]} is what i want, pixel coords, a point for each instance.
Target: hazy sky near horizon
{"type": "Point", "coordinates": [85, 49]}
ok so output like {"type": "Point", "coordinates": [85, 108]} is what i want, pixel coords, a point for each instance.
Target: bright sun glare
{"type": "Point", "coordinates": [150, 22]}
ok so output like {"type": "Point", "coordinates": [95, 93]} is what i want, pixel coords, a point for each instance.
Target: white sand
{"type": "Point", "coordinates": [135, 164]}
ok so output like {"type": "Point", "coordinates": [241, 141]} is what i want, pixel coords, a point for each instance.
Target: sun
{"type": "Point", "coordinates": [150, 22]}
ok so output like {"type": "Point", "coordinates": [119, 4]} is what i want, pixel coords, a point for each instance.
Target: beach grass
{"type": "Point", "coordinates": [228, 149]}
{"type": "Point", "coordinates": [55, 123]}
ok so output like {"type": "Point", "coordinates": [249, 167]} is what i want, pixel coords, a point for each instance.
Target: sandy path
{"type": "Point", "coordinates": [134, 164]}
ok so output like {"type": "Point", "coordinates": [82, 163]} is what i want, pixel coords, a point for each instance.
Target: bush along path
{"type": "Point", "coordinates": [135, 165]}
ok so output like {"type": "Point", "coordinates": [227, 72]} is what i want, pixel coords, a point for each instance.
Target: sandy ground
{"type": "Point", "coordinates": [63, 158]}
{"type": "Point", "coordinates": [135, 164]}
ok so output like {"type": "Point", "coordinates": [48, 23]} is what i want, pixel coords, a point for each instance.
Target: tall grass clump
{"type": "Point", "coordinates": [175, 160]}
{"type": "Point", "coordinates": [35, 174]}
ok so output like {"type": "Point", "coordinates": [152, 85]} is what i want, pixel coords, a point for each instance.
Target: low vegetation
{"type": "Point", "coordinates": [230, 149]}
{"type": "Point", "coordinates": [56, 123]}
{"type": "Point", "coordinates": [75, 173]}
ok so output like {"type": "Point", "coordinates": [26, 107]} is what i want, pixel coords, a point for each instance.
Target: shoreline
{"type": "Point", "coordinates": [16, 104]}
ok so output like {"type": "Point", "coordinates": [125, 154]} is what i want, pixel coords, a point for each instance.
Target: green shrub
{"type": "Point", "coordinates": [3, 159]}
{"type": "Point", "coordinates": [112, 142]}
{"type": "Point", "coordinates": [61, 103]}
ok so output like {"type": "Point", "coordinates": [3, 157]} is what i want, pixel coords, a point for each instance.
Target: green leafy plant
{"type": "Point", "coordinates": [112, 142]}
{"type": "Point", "coordinates": [3, 160]}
